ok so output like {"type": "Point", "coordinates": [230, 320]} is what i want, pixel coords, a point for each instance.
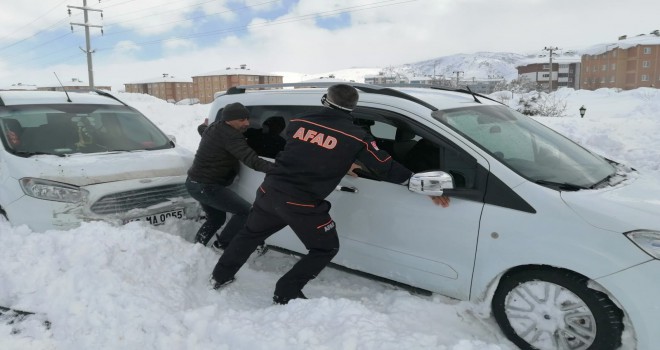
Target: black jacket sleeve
{"type": "Point", "coordinates": [381, 163]}
{"type": "Point", "coordinates": [239, 148]}
{"type": "Point", "coordinates": [201, 128]}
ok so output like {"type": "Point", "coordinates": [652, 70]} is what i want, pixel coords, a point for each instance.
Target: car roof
{"type": "Point", "coordinates": [13, 98]}
{"type": "Point", "coordinates": [430, 97]}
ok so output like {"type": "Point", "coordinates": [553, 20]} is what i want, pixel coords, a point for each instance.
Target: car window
{"type": "Point", "coordinates": [68, 129]}
{"type": "Point", "coordinates": [267, 131]}
{"type": "Point", "coordinates": [416, 147]}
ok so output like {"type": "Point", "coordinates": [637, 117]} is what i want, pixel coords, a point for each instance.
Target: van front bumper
{"type": "Point", "coordinates": [637, 290]}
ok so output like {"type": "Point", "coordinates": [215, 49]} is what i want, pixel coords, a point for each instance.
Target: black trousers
{"type": "Point", "coordinates": [271, 212]}
{"type": "Point", "coordinates": [217, 201]}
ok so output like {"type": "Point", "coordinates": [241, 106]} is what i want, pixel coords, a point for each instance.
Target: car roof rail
{"type": "Point", "coordinates": [369, 88]}
{"type": "Point", "coordinates": [107, 94]}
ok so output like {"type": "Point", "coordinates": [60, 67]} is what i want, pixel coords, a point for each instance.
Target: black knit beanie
{"type": "Point", "coordinates": [234, 111]}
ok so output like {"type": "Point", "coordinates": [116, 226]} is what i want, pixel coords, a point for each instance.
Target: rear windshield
{"type": "Point", "coordinates": [75, 128]}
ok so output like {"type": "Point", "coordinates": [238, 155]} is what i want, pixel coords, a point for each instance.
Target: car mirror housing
{"type": "Point", "coordinates": [431, 183]}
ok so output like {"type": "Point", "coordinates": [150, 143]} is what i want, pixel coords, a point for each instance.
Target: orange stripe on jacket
{"type": "Point", "coordinates": [346, 134]}
{"type": "Point", "coordinates": [301, 205]}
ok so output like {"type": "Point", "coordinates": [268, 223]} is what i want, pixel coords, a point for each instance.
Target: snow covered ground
{"type": "Point", "coordinates": [139, 287]}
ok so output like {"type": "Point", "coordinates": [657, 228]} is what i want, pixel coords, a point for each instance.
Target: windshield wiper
{"type": "Point", "coordinates": [30, 154]}
{"type": "Point", "coordinates": [603, 181]}
{"type": "Point", "coordinates": [561, 185]}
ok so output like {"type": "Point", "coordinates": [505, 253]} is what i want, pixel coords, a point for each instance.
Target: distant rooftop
{"type": "Point", "coordinates": [242, 70]}
{"type": "Point", "coordinates": [165, 78]}
{"type": "Point", "coordinates": [19, 86]}
{"type": "Point", "coordinates": [625, 42]}
{"type": "Point", "coordinates": [559, 58]}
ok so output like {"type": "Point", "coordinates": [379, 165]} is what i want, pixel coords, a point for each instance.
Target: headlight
{"type": "Point", "coordinates": [648, 241]}
{"type": "Point", "coordinates": [52, 191]}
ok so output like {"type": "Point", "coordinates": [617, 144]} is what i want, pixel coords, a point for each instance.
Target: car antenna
{"type": "Point", "coordinates": [68, 99]}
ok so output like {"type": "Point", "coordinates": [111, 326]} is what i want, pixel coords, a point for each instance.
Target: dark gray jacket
{"type": "Point", "coordinates": [221, 149]}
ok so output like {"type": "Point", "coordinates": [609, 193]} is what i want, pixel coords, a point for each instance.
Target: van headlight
{"type": "Point", "coordinates": [52, 191]}
{"type": "Point", "coordinates": [648, 241]}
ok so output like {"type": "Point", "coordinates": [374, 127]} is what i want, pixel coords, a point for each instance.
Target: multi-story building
{"type": "Point", "coordinates": [565, 71]}
{"type": "Point", "coordinates": [482, 85]}
{"type": "Point", "coordinates": [385, 78]}
{"type": "Point", "coordinates": [206, 85]}
{"type": "Point", "coordinates": [627, 64]}
{"type": "Point", "coordinates": [167, 87]}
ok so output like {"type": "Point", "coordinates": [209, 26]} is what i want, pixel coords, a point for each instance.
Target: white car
{"type": "Point", "coordinates": [69, 158]}
{"type": "Point", "coordinates": [563, 243]}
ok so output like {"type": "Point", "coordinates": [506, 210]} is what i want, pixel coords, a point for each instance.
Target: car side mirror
{"type": "Point", "coordinates": [172, 138]}
{"type": "Point", "coordinates": [431, 183]}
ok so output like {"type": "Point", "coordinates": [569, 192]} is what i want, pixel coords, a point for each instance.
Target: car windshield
{"type": "Point", "coordinates": [527, 147]}
{"type": "Point", "coordinates": [76, 128]}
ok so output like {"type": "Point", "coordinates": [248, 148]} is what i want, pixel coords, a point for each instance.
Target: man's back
{"type": "Point", "coordinates": [319, 151]}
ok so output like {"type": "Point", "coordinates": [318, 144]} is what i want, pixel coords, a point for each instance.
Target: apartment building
{"type": "Point", "coordinates": [628, 63]}
{"type": "Point", "coordinates": [206, 85]}
{"type": "Point", "coordinates": [385, 78]}
{"type": "Point", "coordinates": [481, 86]}
{"type": "Point", "coordinates": [166, 87]}
{"type": "Point", "coordinates": [565, 71]}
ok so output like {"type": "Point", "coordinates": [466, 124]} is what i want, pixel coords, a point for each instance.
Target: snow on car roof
{"type": "Point", "coordinates": [11, 98]}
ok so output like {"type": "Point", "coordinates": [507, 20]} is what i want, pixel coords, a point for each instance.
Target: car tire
{"type": "Point", "coordinates": [545, 308]}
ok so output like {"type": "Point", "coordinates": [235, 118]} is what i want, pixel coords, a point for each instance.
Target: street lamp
{"type": "Point", "coordinates": [582, 111]}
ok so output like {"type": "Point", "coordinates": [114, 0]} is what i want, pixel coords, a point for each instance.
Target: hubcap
{"type": "Point", "coordinates": [549, 316]}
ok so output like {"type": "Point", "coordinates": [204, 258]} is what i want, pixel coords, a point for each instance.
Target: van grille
{"type": "Point", "coordinates": [124, 201]}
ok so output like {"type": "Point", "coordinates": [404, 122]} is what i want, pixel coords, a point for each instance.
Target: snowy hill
{"type": "Point", "coordinates": [479, 65]}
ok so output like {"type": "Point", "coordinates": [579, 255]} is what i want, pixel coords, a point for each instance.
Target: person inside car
{"type": "Point", "coordinates": [321, 148]}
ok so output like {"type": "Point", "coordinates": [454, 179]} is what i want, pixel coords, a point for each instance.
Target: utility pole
{"type": "Point", "coordinates": [89, 51]}
{"type": "Point", "coordinates": [550, 49]}
{"type": "Point", "coordinates": [457, 72]}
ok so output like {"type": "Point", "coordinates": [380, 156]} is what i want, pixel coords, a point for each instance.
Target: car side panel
{"type": "Point", "coordinates": [510, 238]}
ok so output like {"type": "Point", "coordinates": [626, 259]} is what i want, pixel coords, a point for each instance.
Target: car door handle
{"type": "Point", "coordinates": [346, 189]}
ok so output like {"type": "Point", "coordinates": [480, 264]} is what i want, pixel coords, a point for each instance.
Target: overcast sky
{"type": "Point", "coordinates": [143, 39]}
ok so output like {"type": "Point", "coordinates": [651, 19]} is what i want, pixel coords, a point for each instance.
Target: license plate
{"type": "Point", "coordinates": [159, 218]}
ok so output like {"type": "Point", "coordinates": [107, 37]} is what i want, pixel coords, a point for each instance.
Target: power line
{"type": "Point", "coordinates": [34, 20]}
{"type": "Point", "coordinates": [123, 31]}
{"type": "Point", "coordinates": [33, 35]}
{"type": "Point", "coordinates": [284, 21]}
{"type": "Point", "coordinates": [161, 5]}
{"type": "Point", "coordinates": [349, 9]}
{"type": "Point", "coordinates": [182, 20]}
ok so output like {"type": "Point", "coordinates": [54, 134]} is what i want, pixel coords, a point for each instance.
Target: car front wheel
{"type": "Point", "coordinates": [548, 309]}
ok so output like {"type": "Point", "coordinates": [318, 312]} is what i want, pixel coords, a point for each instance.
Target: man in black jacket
{"type": "Point", "coordinates": [321, 148]}
{"type": "Point", "coordinates": [214, 168]}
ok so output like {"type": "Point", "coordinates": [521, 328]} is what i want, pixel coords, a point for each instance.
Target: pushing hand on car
{"type": "Point", "coordinates": [440, 200]}
{"type": "Point", "coordinates": [353, 167]}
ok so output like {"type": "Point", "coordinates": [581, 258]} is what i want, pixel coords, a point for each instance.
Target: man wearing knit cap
{"type": "Point", "coordinates": [320, 150]}
{"type": "Point", "coordinates": [215, 166]}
